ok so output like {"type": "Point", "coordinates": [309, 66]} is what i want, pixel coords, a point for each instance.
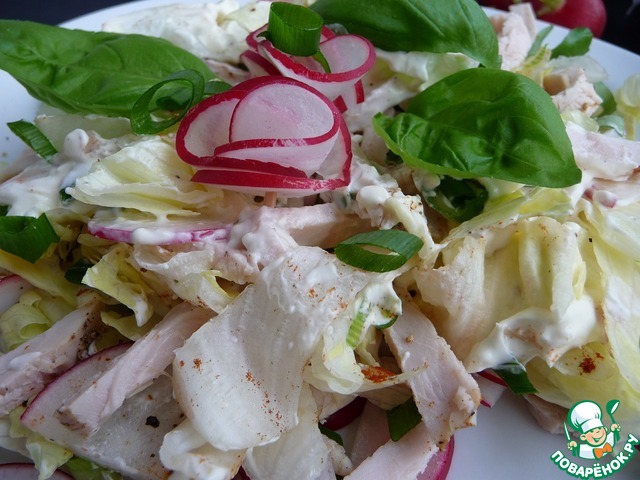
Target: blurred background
{"type": "Point", "coordinates": [622, 28]}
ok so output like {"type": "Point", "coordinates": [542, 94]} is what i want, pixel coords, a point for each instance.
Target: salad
{"type": "Point", "coordinates": [275, 240]}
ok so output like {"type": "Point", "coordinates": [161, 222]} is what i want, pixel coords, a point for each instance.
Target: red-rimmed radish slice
{"type": "Point", "coordinates": [282, 136]}
{"type": "Point", "coordinates": [11, 287]}
{"type": "Point", "coordinates": [294, 127]}
{"type": "Point", "coordinates": [491, 387]}
{"type": "Point", "coordinates": [150, 233]}
{"type": "Point", "coordinates": [257, 65]}
{"type": "Point", "coordinates": [349, 57]}
{"type": "Point", "coordinates": [257, 183]}
{"type": "Point", "coordinates": [27, 471]}
{"type": "Point", "coordinates": [439, 464]}
{"type": "Point", "coordinates": [346, 414]}
{"type": "Point", "coordinates": [39, 415]}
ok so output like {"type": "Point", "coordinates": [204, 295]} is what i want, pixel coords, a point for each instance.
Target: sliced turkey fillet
{"type": "Point", "coordinates": [446, 395]}
{"type": "Point", "coordinates": [139, 366]}
{"type": "Point", "coordinates": [30, 366]}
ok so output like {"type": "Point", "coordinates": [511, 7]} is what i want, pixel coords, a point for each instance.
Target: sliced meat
{"type": "Point", "coordinates": [141, 364]}
{"type": "Point", "coordinates": [446, 395]}
{"type": "Point", "coordinates": [29, 367]}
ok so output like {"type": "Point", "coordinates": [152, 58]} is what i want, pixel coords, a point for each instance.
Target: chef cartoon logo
{"type": "Point", "coordinates": [594, 439]}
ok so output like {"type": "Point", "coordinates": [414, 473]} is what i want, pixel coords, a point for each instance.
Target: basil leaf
{"type": "Point", "coordinates": [89, 72]}
{"type": "Point", "coordinates": [457, 200]}
{"type": "Point", "coordinates": [437, 26]}
{"type": "Point", "coordinates": [484, 123]}
{"type": "Point", "coordinates": [577, 42]}
{"type": "Point", "coordinates": [515, 376]}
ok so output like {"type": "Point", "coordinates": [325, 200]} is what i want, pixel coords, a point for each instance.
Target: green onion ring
{"type": "Point", "coordinates": [34, 138]}
{"type": "Point", "coordinates": [403, 245]}
{"type": "Point", "coordinates": [26, 237]}
{"type": "Point", "coordinates": [142, 121]}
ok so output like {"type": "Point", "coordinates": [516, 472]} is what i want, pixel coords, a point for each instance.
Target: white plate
{"type": "Point", "coordinates": [507, 443]}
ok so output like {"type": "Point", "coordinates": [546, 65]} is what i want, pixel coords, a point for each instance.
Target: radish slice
{"type": "Point", "coordinates": [491, 388]}
{"type": "Point", "coordinates": [346, 414]}
{"type": "Point", "coordinates": [154, 233]}
{"type": "Point", "coordinates": [439, 464]}
{"type": "Point", "coordinates": [267, 134]}
{"type": "Point", "coordinates": [27, 471]}
{"type": "Point", "coordinates": [11, 287]}
{"type": "Point", "coordinates": [257, 65]}
{"type": "Point", "coordinates": [130, 440]}
{"type": "Point", "coordinates": [349, 58]}
{"type": "Point", "coordinates": [39, 415]}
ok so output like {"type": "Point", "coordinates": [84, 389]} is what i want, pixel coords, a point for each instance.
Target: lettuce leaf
{"type": "Point", "coordinates": [34, 313]}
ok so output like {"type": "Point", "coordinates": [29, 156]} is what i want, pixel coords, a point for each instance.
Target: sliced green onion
{"type": "Point", "coordinates": [4, 209]}
{"type": "Point", "coordinates": [458, 200]}
{"type": "Point", "coordinates": [357, 324]}
{"type": "Point", "coordinates": [401, 244]}
{"type": "Point", "coordinates": [402, 419]}
{"type": "Point", "coordinates": [34, 138]}
{"type": "Point", "coordinates": [213, 87]}
{"type": "Point", "coordinates": [294, 29]}
{"type": "Point", "coordinates": [612, 122]}
{"type": "Point", "coordinates": [327, 432]}
{"type": "Point", "coordinates": [76, 272]}
{"type": "Point", "coordinates": [26, 237]}
{"type": "Point", "coordinates": [515, 376]}
{"type": "Point", "coordinates": [609, 104]}
{"type": "Point", "coordinates": [187, 90]}
{"type": "Point", "coordinates": [538, 41]}
{"type": "Point", "coordinates": [577, 42]}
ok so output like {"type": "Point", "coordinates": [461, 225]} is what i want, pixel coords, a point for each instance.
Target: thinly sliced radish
{"type": "Point", "coordinates": [346, 414]}
{"type": "Point", "coordinates": [439, 464]}
{"type": "Point", "coordinates": [39, 415]}
{"type": "Point", "coordinates": [27, 471]}
{"type": "Point", "coordinates": [257, 65]}
{"type": "Point", "coordinates": [30, 366]}
{"type": "Point", "coordinates": [11, 287]}
{"type": "Point", "coordinates": [157, 233]}
{"type": "Point", "coordinates": [349, 57]}
{"type": "Point", "coordinates": [130, 440]}
{"type": "Point", "coordinates": [283, 136]}
{"type": "Point", "coordinates": [491, 387]}
{"type": "Point", "coordinates": [147, 358]}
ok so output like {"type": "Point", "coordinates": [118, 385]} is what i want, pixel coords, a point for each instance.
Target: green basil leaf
{"type": "Point", "coordinates": [515, 376]}
{"type": "Point", "coordinates": [26, 237]}
{"type": "Point", "coordinates": [402, 419]}
{"type": "Point", "coordinates": [438, 26]}
{"type": "Point", "coordinates": [484, 122]}
{"type": "Point", "coordinates": [577, 42]}
{"type": "Point", "coordinates": [33, 138]}
{"type": "Point", "coordinates": [457, 200]}
{"type": "Point", "coordinates": [89, 72]}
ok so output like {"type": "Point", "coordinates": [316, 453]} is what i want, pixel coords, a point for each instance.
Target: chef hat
{"type": "Point", "coordinates": [585, 416]}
